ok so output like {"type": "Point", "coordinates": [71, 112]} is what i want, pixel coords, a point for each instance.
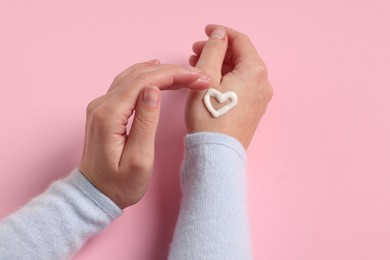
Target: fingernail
{"type": "Point", "coordinates": [204, 78]}
{"type": "Point", "coordinates": [192, 69]}
{"type": "Point", "coordinates": [218, 33]}
{"type": "Point", "coordinates": [150, 96]}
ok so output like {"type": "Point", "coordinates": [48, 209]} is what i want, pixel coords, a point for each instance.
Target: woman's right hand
{"type": "Point", "coordinates": [231, 60]}
{"type": "Point", "coordinates": [119, 162]}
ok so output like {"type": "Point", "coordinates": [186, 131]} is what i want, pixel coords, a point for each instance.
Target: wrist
{"type": "Point", "coordinates": [93, 193]}
{"type": "Point", "coordinates": [214, 138]}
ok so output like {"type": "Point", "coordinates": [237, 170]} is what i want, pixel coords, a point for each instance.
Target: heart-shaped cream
{"type": "Point", "coordinates": [221, 98]}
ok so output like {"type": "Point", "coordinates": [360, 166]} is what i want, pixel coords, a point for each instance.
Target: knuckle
{"type": "Point", "coordinates": [91, 107]}
{"type": "Point", "coordinates": [269, 92]}
{"type": "Point", "coordinates": [120, 77]}
{"type": "Point", "coordinates": [265, 93]}
{"type": "Point", "coordinates": [95, 103]}
{"type": "Point", "coordinates": [260, 71]}
{"type": "Point", "coordinates": [99, 116]}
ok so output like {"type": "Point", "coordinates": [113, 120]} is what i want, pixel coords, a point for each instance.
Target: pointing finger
{"type": "Point", "coordinates": [244, 52]}
{"type": "Point", "coordinates": [197, 47]}
{"type": "Point", "coordinates": [213, 54]}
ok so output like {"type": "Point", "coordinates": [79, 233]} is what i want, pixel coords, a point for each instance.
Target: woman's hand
{"type": "Point", "coordinates": [231, 60]}
{"type": "Point", "coordinates": [117, 162]}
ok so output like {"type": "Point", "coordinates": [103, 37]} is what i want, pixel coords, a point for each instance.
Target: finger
{"type": "Point", "coordinates": [226, 67]}
{"type": "Point", "coordinates": [213, 54]}
{"type": "Point", "coordinates": [138, 153]}
{"type": "Point", "coordinates": [162, 76]}
{"type": "Point", "coordinates": [193, 60]}
{"type": "Point", "coordinates": [167, 76]}
{"type": "Point", "coordinates": [197, 47]}
{"type": "Point", "coordinates": [132, 69]}
{"type": "Point", "coordinates": [138, 66]}
{"type": "Point", "coordinates": [244, 52]}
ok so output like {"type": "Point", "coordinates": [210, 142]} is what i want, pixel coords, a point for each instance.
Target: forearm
{"type": "Point", "coordinates": [213, 219]}
{"type": "Point", "coordinates": [56, 224]}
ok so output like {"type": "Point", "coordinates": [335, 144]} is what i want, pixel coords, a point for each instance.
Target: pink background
{"type": "Point", "coordinates": [318, 167]}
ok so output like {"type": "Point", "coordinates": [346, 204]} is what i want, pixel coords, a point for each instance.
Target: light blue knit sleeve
{"type": "Point", "coordinates": [213, 219]}
{"type": "Point", "coordinates": [56, 224]}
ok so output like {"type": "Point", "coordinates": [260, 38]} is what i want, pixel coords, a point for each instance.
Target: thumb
{"type": "Point", "coordinates": [139, 149]}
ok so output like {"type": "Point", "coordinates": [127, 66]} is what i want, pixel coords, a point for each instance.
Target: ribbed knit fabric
{"type": "Point", "coordinates": [213, 221]}
{"type": "Point", "coordinates": [213, 218]}
{"type": "Point", "coordinates": [56, 224]}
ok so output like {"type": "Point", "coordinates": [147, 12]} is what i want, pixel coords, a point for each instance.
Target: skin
{"type": "Point", "coordinates": [119, 162]}
{"type": "Point", "coordinates": [233, 63]}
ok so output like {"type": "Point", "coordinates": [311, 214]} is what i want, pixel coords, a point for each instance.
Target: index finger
{"type": "Point", "coordinates": [213, 53]}
{"type": "Point", "coordinates": [163, 76]}
{"type": "Point", "coordinates": [244, 52]}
